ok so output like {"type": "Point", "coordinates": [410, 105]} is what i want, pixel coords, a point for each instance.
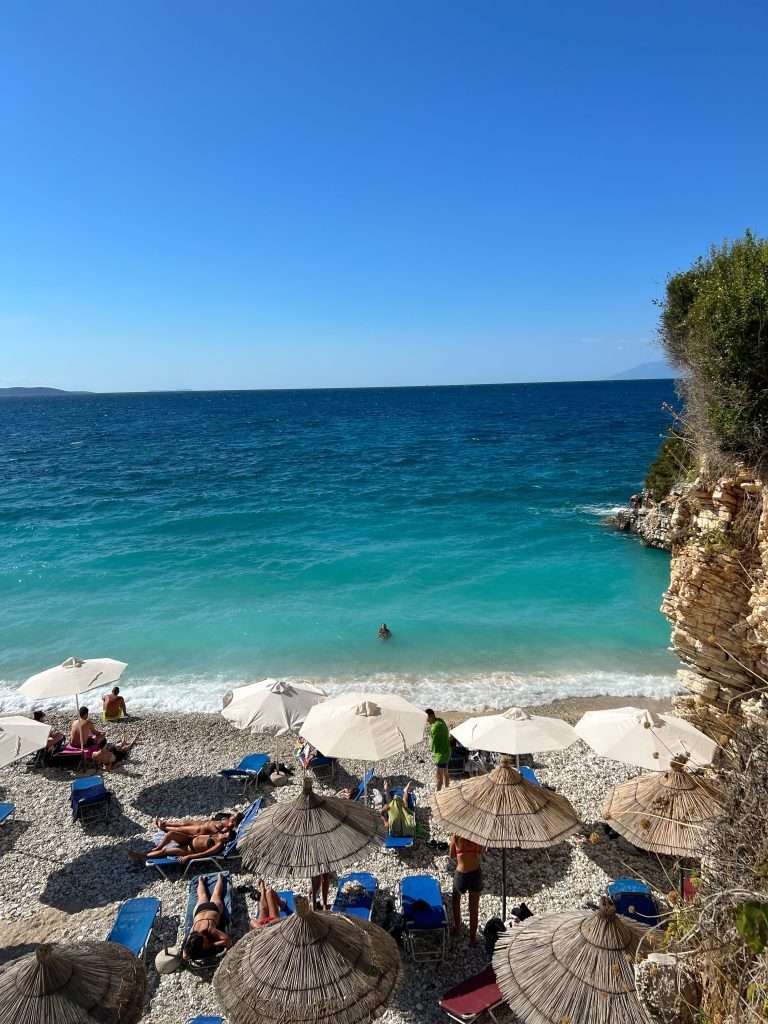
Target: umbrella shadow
{"type": "Point", "coordinates": [528, 871]}
{"type": "Point", "coordinates": [618, 858]}
{"type": "Point", "coordinates": [10, 833]}
{"type": "Point", "coordinates": [189, 795]}
{"type": "Point", "coordinates": [97, 878]}
{"type": "Point", "coordinates": [8, 953]}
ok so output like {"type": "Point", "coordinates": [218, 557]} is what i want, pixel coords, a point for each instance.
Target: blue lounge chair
{"type": "Point", "coordinates": [226, 925]}
{"type": "Point", "coordinates": [633, 898]}
{"type": "Point", "coordinates": [288, 896]}
{"type": "Point", "coordinates": [134, 923]}
{"type": "Point", "coordinates": [250, 770]}
{"type": "Point", "coordinates": [6, 810]}
{"type": "Point", "coordinates": [90, 800]}
{"type": "Point", "coordinates": [361, 903]}
{"type": "Point", "coordinates": [425, 921]}
{"type": "Point", "coordinates": [205, 1020]}
{"type": "Point", "coordinates": [364, 784]}
{"type": "Point", "coordinates": [401, 842]}
{"type": "Point", "coordinates": [528, 774]}
{"type": "Point", "coordinates": [229, 851]}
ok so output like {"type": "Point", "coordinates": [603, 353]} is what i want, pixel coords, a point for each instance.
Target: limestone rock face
{"type": "Point", "coordinates": [650, 520]}
{"type": "Point", "coordinates": [717, 601]}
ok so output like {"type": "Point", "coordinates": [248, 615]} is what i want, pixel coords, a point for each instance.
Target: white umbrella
{"type": "Point", "coordinates": [20, 736]}
{"type": "Point", "coordinates": [73, 677]}
{"type": "Point", "coordinates": [364, 726]}
{"type": "Point", "coordinates": [515, 732]}
{"type": "Point", "coordinates": [271, 705]}
{"type": "Point", "coordinates": [643, 738]}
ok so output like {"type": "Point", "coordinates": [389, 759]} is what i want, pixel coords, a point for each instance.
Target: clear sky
{"type": "Point", "coordinates": [319, 193]}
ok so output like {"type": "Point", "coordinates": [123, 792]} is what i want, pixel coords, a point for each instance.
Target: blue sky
{"type": "Point", "coordinates": [326, 194]}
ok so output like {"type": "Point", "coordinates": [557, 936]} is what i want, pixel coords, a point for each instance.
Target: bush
{"type": "Point", "coordinates": [671, 466]}
{"type": "Point", "coordinates": [714, 325]}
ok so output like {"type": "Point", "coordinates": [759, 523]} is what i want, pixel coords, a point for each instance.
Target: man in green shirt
{"type": "Point", "coordinates": [440, 745]}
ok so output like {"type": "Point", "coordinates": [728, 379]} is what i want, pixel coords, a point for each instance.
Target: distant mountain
{"type": "Point", "coordinates": [648, 371]}
{"type": "Point", "coordinates": [37, 392]}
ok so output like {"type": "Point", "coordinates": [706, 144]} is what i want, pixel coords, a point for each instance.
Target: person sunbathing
{"type": "Point", "coordinates": [113, 753]}
{"type": "Point", "coordinates": [270, 905]}
{"type": "Point", "coordinates": [200, 826]}
{"type": "Point", "coordinates": [389, 800]}
{"type": "Point", "coordinates": [184, 847]}
{"type": "Point", "coordinates": [206, 937]}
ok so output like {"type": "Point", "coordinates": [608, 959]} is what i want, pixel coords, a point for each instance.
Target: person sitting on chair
{"type": "Point", "coordinates": [54, 737]}
{"type": "Point", "coordinates": [184, 847]}
{"type": "Point", "coordinates": [206, 936]}
{"type": "Point", "coordinates": [270, 905]}
{"type": "Point", "coordinates": [83, 733]}
{"type": "Point", "coordinates": [113, 705]}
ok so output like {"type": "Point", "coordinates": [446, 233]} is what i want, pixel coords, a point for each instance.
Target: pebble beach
{"type": "Point", "coordinates": [61, 882]}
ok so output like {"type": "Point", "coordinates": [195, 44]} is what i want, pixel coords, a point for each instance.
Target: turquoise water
{"type": "Point", "coordinates": [211, 538]}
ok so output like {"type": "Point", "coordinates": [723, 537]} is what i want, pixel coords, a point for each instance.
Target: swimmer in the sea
{"type": "Point", "coordinates": [384, 631]}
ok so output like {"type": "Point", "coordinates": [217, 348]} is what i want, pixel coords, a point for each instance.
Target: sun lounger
{"type": "Point", "coordinates": [219, 859]}
{"type": "Point", "coordinates": [205, 1020]}
{"type": "Point", "coordinates": [473, 997]}
{"type": "Point", "coordinates": [457, 763]}
{"type": "Point", "coordinates": [425, 922]}
{"type": "Point", "coordinates": [249, 771]}
{"type": "Point", "coordinates": [528, 774]}
{"type": "Point", "coordinates": [321, 766]}
{"type": "Point", "coordinates": [226, 923]}
{"type": "Point", "coordinates": [134, 924]}
{"type": "Point", "coordinates": [633, 898]}
{"type": "Point", "coordinates": [90, 800]}
{"type": "Point", "coordinates": [6, 810]}
{"type": "Point", "coordinates": [364, 784]}
{"type": "Point", "coordinates": [359, 904]}
{"type": "Point", "coordinates": [289, 898]}
{"type": "Point", "coordinates": [401, 842]}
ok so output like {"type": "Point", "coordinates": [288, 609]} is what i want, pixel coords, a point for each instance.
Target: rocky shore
{"type": "Point", "coordinates": [61, 882]}
{"type": "Point", "coordinates": [650, 520]}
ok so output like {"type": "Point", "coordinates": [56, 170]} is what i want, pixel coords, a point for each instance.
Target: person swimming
{"type": "Point", "coordinates": [384, 631]}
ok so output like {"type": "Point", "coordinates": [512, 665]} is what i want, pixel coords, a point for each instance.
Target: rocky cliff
{"type": "Point", "coordinates": [650, 520]}
{"type": "Point", "coordinates": [717, 601]}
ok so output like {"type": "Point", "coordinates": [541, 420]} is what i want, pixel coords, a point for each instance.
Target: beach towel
{"type": "Point", "coordinates": [401, 820]}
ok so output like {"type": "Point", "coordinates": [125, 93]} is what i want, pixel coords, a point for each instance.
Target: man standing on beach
{"type": "Point", "coordinates": [440, 746]}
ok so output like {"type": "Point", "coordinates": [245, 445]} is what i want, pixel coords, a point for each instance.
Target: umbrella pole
{"type": "Point", "coordinates": [504, 885]}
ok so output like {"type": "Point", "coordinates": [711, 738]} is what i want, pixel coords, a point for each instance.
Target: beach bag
{"type": "Point", "coordinates": [491, 932]}
{"type": "Point", "coordinates": [402, 821]}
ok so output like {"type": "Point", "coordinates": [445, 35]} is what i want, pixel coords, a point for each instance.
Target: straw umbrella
{"type": "Point", "coordinates": [88, 983]}
{"type": "Point", "coordinates": [309, 836]}
{"type": "Point", "coordinates": [640, 737]}
{"type": "Point", "coordinates": [515, 731]}
{"type": "Point", "coordinates": [571, 968]}
{"type": "Point", "coordinates": [271, 705]}
{"type": "Point", "coordinates": [668, 813]}
{"type": "Point", "coordinates": [310, 967]}
{"type": "Point", "coordinates": [504, 810]}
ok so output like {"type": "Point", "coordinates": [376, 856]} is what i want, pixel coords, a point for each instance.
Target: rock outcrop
{"type": "Point", "coordinates": [650, 520]}
{"type": "Point", "coordinates": [717, 601]}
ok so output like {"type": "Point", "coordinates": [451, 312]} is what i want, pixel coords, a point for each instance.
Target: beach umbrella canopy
{"type": "Point", "coordinates": [20, 736]}
{"type": "Point", "coordinates": [665, 812]}
{"type": "Point", "coordinates": [515, 731]}
{"type": "Point", "coordinates": [271, 705]}
{"type": "Point", "coordinates": [73, 677]}
{"type": "Point", "coordinates": [364, 727]}
{"type": "Point", "coordinates": [640, 737]}
{"type": "Point", "coordinates": [308, 836]}
{"type": "Point", "coordinates": [571, 968]}
{"type": "Point", "coordinates": [310, 967]}
{"type": "Point", "coordinates": [87, 983]}
{"type": "Point", "coordinates": [504, 811]}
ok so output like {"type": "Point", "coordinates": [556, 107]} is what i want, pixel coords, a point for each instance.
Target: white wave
{"type": "Point", "coordinates": [600, 510]}
{"type": "Point", "coordinates": [187, 694]}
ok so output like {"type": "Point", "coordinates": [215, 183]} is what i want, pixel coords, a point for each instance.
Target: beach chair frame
{"type": "Point", "coordinates": [147, 938]}
{"type": "Point", "coordinates": [369, 883]}
{"type": "Point", "coordinates": [250, 771]}
{"type": "Point", "coordinates": [203, 1018]}
{"type": "Point", "coordinates": [424, 944]}
{"type": "Point", "coordinates": [401, 842]}
{"type": "Point", "coordinates": [6, 811]}
{"type": "Point", "coordinates": [483, 978]}
{"type": "Point", "coordinates": [90, 807]}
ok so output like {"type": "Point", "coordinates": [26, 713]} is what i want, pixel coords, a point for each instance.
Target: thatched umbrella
{"type": "Point", "coordinates": [310, 835]}
{"type": "Point", "coordinates": [87, 983]}
{"type": "Point", "coordinates": [505, 811]}
{"type": "Point", "coordinates": [666, 812]}
{"type": "Point", "coordinates": [311, 967]}
{"type": "Point", "coordinates": [571, 968]}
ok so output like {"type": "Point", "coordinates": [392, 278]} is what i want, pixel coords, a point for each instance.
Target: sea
{"type": "Point", "coordinates": [214, 538]}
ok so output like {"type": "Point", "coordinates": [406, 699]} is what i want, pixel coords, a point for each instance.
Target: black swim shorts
{"type": "Point", "coordinates": [468, 881]}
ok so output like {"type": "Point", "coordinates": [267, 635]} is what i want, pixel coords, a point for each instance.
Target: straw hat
{"type": "Point", "coordinates": [87, 983]}
{"type": "Point", "coordinates": [309, 835]}
{"type": "Point", "coordinates": [504, 810]}
{"type": "Point", "coordinates": [310, 967]}
{"type": "Point", "coordinates": [668, 812]}
{"type": "Point", "coordinates": [571, 968]}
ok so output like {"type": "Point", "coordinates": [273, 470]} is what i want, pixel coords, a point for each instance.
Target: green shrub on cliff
{"type": "Point", "coordinates": [714, 325]}
{"type": "Point", "coordinates": [671, 466]}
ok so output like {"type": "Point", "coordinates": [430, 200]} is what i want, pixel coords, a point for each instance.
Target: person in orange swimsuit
{"type": "Point", "coordinates": [270, 906]}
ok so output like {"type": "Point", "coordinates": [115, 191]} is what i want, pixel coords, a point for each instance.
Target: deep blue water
{"type": "Point", "coordinates": [209, 538]}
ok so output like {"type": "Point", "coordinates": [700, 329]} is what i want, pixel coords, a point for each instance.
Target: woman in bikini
{"type": "Point", "coordinates": [199, 826]}
{"type": "Point", "coordinates": [184, 847]}
{"type": "Point", "coordinates": [206, 937]}
{"type": "Point", "coordinates": [270, 906]}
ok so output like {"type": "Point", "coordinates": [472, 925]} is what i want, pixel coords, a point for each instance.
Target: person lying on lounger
{"type": "Point", "coordinates": [206, 936]}
{"type": "Point", "coordinates": [396, 812]}
{"type": "Point", "coordinates": [184, 847]}
{"type": "Point", "coordinates": [200, 826]}
{"type": "Point", "coordinates": [270, 906]}
{"type": "Point", "coordinates": [113, 753]}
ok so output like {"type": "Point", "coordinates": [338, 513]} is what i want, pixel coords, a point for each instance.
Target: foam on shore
{"type": "Point", "coordinates": [187, 694]}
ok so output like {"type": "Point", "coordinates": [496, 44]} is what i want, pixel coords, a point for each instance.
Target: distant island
{"type": "Point", "coordinates": [38, 393]}
{"type": "Point", "coordinates": [648, 371]}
